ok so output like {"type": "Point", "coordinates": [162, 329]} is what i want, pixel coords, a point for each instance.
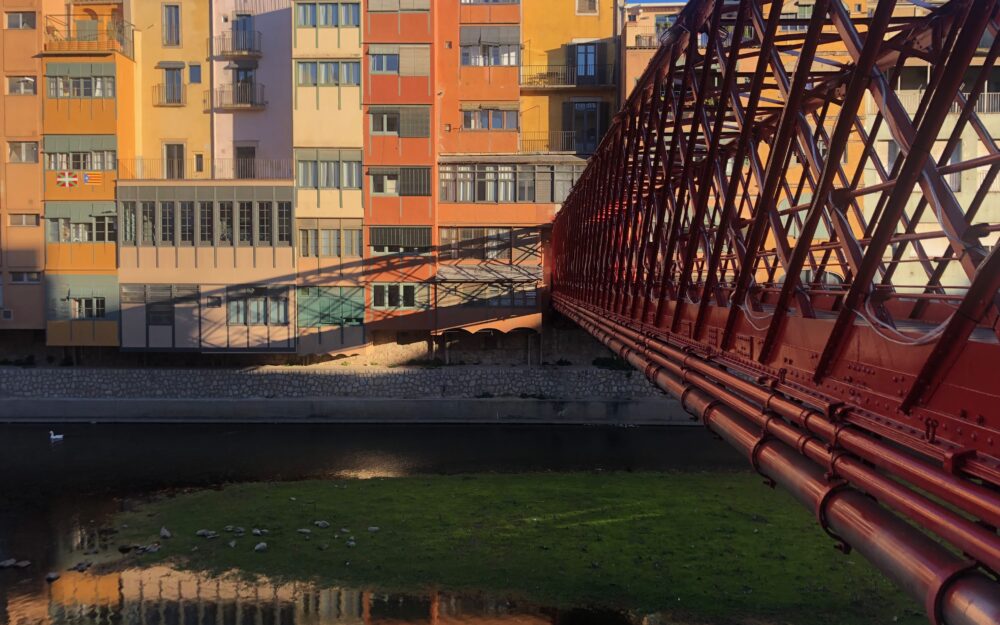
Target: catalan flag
{"type": "Point", "coordinates": [93, 177]}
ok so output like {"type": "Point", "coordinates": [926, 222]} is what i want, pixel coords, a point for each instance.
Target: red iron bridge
{"type": "Point", "coordinates": [792, 227]}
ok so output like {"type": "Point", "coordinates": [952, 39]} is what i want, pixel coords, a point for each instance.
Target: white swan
{"type": "Point", "coordinates": [54, 438]}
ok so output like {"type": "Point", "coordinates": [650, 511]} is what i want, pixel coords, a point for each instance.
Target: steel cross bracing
{"type": "Point", "coordinates": [791, 225]}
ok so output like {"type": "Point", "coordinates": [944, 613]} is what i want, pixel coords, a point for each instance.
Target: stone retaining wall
{"type": "Point", "coordinates": [551, 382]}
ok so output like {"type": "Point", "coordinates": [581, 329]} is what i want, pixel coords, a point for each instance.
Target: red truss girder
{"type": "Point", "coordinates": [792, 244]}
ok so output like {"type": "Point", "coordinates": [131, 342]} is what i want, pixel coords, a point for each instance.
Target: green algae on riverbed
{"type": "Point", "coordinates": [715, 547]}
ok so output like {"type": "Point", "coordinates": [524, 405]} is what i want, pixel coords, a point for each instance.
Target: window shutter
{"type": "Point", "coordinates": [470, 35]}
{"type": "Point", "coordinates": [543, 184]}
{"type": "Point", "coordinates": [415, 181]}
{"type": "Point", "coordinates": [415, 121]}
{"type": "Point", "coordinates": [415, 61]}
{"type": "Point", "coordinates": [602, 70]}
{"type": "Point", "coordinates": [414, 5]}
{"type": "Point", "coordinates": [604, 120]}
{"type": "Point", "coordinates": [567, 114]}
{"type": "Point", "coordinates": [383, 5]}
{"type": "Point", "coordinates": [383, 49]}
{"type": "Point", "coordinates": [401, 237]}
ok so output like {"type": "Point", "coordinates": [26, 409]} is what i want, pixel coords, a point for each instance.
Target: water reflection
{"type": "Point", "coordinates": [164, 596]}
{"type": "Point", "coordinates": [55, 502]}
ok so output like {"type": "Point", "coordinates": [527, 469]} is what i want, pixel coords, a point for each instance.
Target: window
{"type": "Point", "coordinates": [160, 311]}
{"type": "Point", "coordinates": [586, 60]}
{"type": "Point", "coordinates": [105, 229]}
{"type": "Point", "coordinates": [400, 296]}
{"type": "Point", "coordinates": [173, 87]}
{"type": "Point", "coordinates": [329, 174]}
{"type": "Point", "coordinates": [476, 244]}
{"type": "Point", "coordinates": [194, 73]}
{"type": "Point", "coordinates": [351, 14]}
{"type": "Point", "coordinates": [352, 242]}
{"type": "Point", "coordinates": [80, 87]}
{"type": "Point", "coordinates": [206, 219]}
{"type": "Point", "coordinates": [246, 223]}
{"type": "Point", "coordinates": [285, 223]}
{"type": "Point", "coordinates": [171, 25]}
{"type": "Point", "coordinates": [167, 222]}
{"type": "Point", "coordinates": [128, 222]}
{"type": "Point", "coordinates": [309, 243]}
{"type": "Point", "coordinates": [24, 219]}
{"type": "Point", "coordinates": [78, 161]}
{"type": "Point", "coordinates": [330, 306]}
{"type": "Point", "coordinates": [305, 15]}
{"type": "Point", "coordinates": [385, 63]}
{"type": "Point", "coordinates": [490, 119]}
{"type": "Point", "coordinates": [399, 240]}
{"type": "Point", "coordinates": [264, 218]}
{"type": "Point", "coordinates": [385, 122]}
{"type": "Point", "coordinates": [329, 243]}
{"type": "Point", "coordinates": [307, 74]}
{"type": "Point", "coordinates": [87, 307]}
{"type": "Point", "coordinates": [21, 85]}
{"type": "Point", "coordinates": [351, 175]}
{"type": "Point", "coordinates": [485, 182]}
{"type": "Point", "coordinates": [586, 7]}
{"type": "Point", "coordinates": [329, 72]}
{"type": "Point", "coordinates": [147, 221]}
{"type": "Point", "coordinates": [173, 161]}
{"type": "Point", "coordinates": [500, 55]}
{"type": "Point", "coordinates": [186, 223]}
{"type": "Point", "coordinates": [327, 14]}
{"type": "Point", "coordinates": [307, 174]}
{"type": "Point", "coordinates": [21, 20]}
{"type": "Point", "coordinates": [257, 305]}
{"type": "Point", "coordinates": [25, 277]}
{"type": "Point", "coordinates": [404, 181]}
{"type": "Point", "coordinates": [199, 163]}
{"type": "Point", "coordinates": [385, 183]}
{"type": "Point", "coordinates": [225, 223]}
{"type": "Point", "coordinates": [350, 73]}
{"type": "Point", "coordinates": [22, 152]}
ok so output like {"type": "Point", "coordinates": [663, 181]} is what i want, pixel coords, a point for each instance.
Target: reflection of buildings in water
{"type": "Point", "coordinates": [163, 596]}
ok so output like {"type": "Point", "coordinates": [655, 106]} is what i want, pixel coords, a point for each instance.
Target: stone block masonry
{"type": "Point", "coordinates": [357, 382]}
{"type": "Point", "coordinates": [476, 394]}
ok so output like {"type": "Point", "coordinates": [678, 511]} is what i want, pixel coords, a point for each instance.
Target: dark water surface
{"type": "Point", "coordinates": [55, 498]}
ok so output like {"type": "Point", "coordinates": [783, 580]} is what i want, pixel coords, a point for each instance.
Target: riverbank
{"type": "Point", "coordinates": [708, 547]}
{"type": "Point", "coordinates": [330, 394]}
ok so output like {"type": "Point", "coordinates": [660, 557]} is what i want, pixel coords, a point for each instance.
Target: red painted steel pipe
{"type": "Point", "coordinates": [952, 589]}
{"type": "Point", "coordinates": [972, 498]}
{"type": "Point", "coordinates": [972, 538]}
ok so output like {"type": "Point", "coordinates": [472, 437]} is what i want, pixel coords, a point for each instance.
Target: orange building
{"type": "Point", "coordinates": [88, 114]}
{"type": "Point", "coordinates": [22, 242]}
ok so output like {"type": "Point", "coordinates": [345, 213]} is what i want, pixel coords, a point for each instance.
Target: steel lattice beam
{"type": "Point", "coordinates": [804, 253]}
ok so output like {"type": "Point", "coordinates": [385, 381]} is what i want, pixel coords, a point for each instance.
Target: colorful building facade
{"type": "Point", "coordinates": [291, 176]}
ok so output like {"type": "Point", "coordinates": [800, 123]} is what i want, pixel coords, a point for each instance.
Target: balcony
{"type": "Point", "coordinates": [910, 99]}
{"type": "Point", "coordinates": [238, 45]}
{"type": "Point", "coordinates": [169, 95]}
{"type": "Point", "coordinates": [641, 36]}
{"type": "Point", "coordinates": [83, 34]}
{"type": "Point", "coordinates": [567, 76]}
{"type": "Point", "coordinates": [554, 141]}
{"type": "Point", "coordinates": [240, 97]}
{"type": "Point", "coordinates": [200, 168]}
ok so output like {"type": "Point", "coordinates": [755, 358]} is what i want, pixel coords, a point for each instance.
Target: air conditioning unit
{"type": "Point", "coordinates": [6, 315]}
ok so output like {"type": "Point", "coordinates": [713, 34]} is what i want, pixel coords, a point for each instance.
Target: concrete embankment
{"type": "Point", "coordinates": [462, 394]}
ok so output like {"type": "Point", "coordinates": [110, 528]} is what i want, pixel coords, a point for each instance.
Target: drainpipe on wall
{"type": "Point", "coordinates": [211, 84]}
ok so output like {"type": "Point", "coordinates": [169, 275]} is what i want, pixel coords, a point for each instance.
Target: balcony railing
{"type": "Point", "coordinates": [85, 34]}
{"type": "Point", "coordinates": [169, 95]}
{"type": "Point", "coordinates": [542, 141]}
{"type": "Point", "coordinates": [201, 168]}
{"type": "Point", "coordinates": [561, 76]}
{"type": "Point", "coordinates": [238, 44]}
{"type": "Point", "coordinates": [995, 186]}
{"type": "Point", "coordinates": [240, 97]}
{"type": "Point", "coordinates": [986, 103]}
{"type": "Point", "coordinates": [644, 36]}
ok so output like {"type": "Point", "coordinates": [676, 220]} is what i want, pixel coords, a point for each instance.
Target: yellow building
{"type": "Point", "coordinates": [173, 127]}
{"type": "Point", "coordinates": [328, 138]}
{"type": "Point", "coordinates": [568, 74]}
